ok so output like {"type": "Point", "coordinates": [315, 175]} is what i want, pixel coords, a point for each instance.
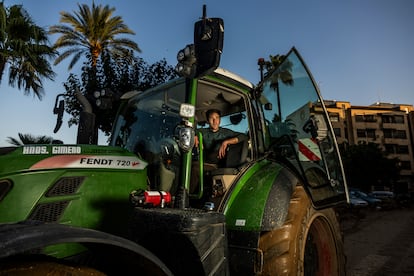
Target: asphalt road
{"type": "Point", "coordinates": [379, 242]}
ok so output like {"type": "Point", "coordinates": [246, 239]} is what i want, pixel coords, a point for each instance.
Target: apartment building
{"type": "Point", "coordinates": [391, 126]}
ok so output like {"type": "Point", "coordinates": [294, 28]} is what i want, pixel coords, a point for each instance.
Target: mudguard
{"type": "Point", "coordinates": [260, 200]}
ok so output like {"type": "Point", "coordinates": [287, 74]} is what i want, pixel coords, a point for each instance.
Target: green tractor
{"type": "Point", "coordinates": [131, 207]}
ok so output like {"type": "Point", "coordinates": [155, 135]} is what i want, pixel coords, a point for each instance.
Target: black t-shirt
{"type": "Point", "coordinates": [212, 141]}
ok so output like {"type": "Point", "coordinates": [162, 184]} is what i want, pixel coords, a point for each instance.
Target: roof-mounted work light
{"type": "Point", "coordinates": [186, 65]}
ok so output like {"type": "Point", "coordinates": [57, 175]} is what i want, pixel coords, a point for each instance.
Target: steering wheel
{"type": "Point", "coordinates": [283, 146]}
{"type": "Point", "coordinates": [169, 150]}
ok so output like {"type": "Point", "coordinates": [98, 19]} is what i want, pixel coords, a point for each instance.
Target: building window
{"type": "Point", "coordinates": [400, 134]}
{"type": "Point", "coordinates": [402, 149]}
{"type": "Point", "coordinates": [337, 131]}
{"type": "Point", "coordinates": [359, 118]}
{"type": "Point", "coordinates": [405, 165]}
{"type": "Point", "coordinates": [370, 118]}
{"type": "Point", "coordinates": [365, 118]}
{"type": "Point", "coordinates": [361, 133]}
{"type": "Point", "coordinates": [399, 119]}
{"type": "Point", "coordinates": [387, 119]}
{"type": "Point", "coordinates": [389, 148]}
{"type": "Point", "coordinates": [387, 132]}
{"type": "Point", "coordinates": [334, 117]}
{"type": "Point", "coordinates": [370, 132]}
{"type": "Point", "coordinates": [393, 119]}
{"type": "Point", "coordinates": [394, 133]}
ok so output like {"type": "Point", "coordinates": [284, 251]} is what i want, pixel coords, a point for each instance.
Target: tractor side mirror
{"type": "Point", "coordinates": [58, 110]}
{"type": "Point", "coordinates": [202, 57]}
{"type": "Point", "coordinates": [208, 43]}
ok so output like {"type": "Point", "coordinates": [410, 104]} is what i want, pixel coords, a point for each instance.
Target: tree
{"type": "Point", "coordinates": [117, 77]}
{"type": "Point", "coordinates": [280, 69]}
{"type": "Point", "coordinates": [24, 50]}
{"type": "Point", "coordinates": [27, 139]}
{"type": "Point", "coordinates": [366, 165]}
{"type": "Point", "coordinates": [93, 33]}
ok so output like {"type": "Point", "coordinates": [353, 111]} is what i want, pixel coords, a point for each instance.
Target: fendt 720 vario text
{"type": "Point", "coordinates": [133, 207]}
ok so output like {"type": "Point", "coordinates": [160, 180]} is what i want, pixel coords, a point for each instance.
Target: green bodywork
{"type": "Point", "coordinates": [245, 208]}
{"type": "Point", "coordinates": [81, 185]}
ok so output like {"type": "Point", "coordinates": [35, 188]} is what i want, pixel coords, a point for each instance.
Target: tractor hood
{"type": "Point", "coordinates": [79, 185]}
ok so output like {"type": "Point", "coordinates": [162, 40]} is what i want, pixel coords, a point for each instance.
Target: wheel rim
{"type": "Point", "coordinates": [320, 250]}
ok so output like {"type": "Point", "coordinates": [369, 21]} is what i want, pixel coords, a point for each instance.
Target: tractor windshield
{"type": "Point", "coordinates": [147, 126]}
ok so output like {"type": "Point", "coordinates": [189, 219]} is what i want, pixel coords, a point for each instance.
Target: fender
{"type": "Point", "coordinates": [260, 199]}
{"type": "Point", "coordinates": [258, 202]}
{"type": "Point", "coordinates": [27, 236]}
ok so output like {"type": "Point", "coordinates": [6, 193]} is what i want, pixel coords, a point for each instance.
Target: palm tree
{"type": "Point", "coordinates": [24, 50]}
{"type": "Point", "coordinates": [92, 32]}
{"type": "Point", "coordinates": [27, 139]}
{"type": "Point", "coordinates": [280, 69]}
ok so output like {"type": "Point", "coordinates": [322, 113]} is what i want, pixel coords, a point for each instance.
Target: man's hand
{"type": "Point", "coordinates": [222, 150]}
{"type": "Point", "coordinates": [224, 145]}
{"type": "Point", "coordinates": [196, 142]}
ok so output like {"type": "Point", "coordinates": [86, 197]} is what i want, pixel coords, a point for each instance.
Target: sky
{"type": "Point", "coordinates": [359, 51]}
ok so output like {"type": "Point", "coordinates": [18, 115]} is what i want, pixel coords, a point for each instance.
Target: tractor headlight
{"type": "Point", "coordinates": [186, 138]}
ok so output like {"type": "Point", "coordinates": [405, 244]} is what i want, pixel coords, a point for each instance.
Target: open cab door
{"type": "Point", "coordinates": [298, 132]}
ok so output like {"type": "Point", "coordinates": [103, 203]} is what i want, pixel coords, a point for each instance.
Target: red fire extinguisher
{"type": "Point", "coordinates": [150, 198]}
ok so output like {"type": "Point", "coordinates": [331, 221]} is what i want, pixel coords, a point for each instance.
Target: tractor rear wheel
{"type": "Point", "coordinates": [309, 242]}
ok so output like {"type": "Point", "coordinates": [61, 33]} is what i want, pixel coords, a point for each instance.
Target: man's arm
{"type": "Point", "coordinates": [238, 137]}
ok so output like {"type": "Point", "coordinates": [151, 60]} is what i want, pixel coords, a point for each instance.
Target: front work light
{"type": "Point", "coordinates": [187, 110]}
{"type": "Point", "coordinates": [186, 138]}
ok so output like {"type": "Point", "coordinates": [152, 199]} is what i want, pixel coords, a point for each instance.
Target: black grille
{"type": "Point", "coordinates": [65, 186]}
{"type": "Point", "coordinates": [5, 187]}
{"type": "Point", "coordinates": [49, 212]}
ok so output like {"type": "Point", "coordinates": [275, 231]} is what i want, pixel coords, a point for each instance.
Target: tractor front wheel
{"type": "Point", "coordinates": [309, 242]}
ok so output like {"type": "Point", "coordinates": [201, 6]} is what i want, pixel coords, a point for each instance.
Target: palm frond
{"type": "Point", "coordinates": [95, 29]}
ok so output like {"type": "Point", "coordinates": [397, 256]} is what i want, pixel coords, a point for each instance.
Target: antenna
{"type": "Point", "coordinates": [206, 30]}
{"type": "Point", "coordinates": [204, 11]}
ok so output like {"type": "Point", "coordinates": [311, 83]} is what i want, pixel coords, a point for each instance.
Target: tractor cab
{"type": "Point", "coordinates": [151, 126]}
{"type": "Point", "coordinates": [282, 120]}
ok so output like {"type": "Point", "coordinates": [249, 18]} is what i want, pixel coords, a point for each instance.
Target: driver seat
{"type": "Point", "coordinates": [222, 177]}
